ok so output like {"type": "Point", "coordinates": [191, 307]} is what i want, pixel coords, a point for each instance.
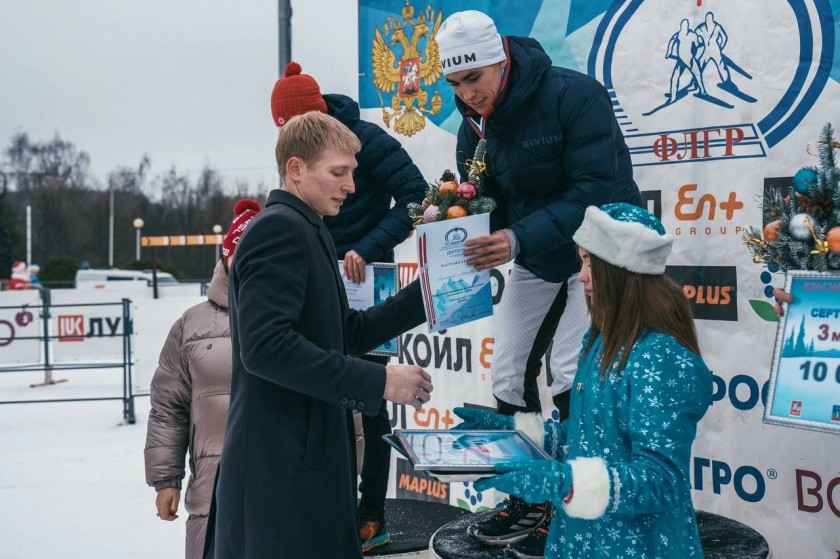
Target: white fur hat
{"type": "Point", "coordinates": [625, 236]}
{"type": "Point", "coordinates": [468, 40]}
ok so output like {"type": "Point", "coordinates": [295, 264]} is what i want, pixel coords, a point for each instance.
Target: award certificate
{"type": "Point", "coordinates": [454, 292]}
{"type": "Point", "coordinates": [805, 375]}
{"type": "Point", "coordinates": [381, 281]}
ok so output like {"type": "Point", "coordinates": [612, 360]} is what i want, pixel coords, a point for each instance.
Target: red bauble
{"type": "Point", "coordinates": [467, 191]}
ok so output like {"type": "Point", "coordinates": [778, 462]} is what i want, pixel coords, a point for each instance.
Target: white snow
{"type": "Point", "coordinates": [72, 481]}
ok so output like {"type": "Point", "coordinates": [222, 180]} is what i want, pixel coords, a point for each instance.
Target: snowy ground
{"type": "Point", "coordinates": [71, 474]}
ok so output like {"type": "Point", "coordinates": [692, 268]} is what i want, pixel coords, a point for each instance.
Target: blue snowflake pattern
{"type": "Point", "coordinates": [650, 406]}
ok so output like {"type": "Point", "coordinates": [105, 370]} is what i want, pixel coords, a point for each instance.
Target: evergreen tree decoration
{"type": "Point", "coordinates": [817, 194]}
{"type": "Point", "coordinates": [465, 201]}
{"type": "Point", "coordinates": [774, 206]}
{"type": "Point", "coordinates": [476, 166]}
{"type": "Point", "coordinates": [480, 205]}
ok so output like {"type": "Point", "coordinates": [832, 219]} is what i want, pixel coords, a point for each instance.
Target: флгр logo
{"type": "Point", "coordinates": [689, 80]}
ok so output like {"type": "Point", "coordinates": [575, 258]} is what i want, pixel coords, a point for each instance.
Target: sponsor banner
{"type": "Point", "coordinates": [716, 99]}
{"type": "Point", "coordinates": [419, 486]}
{"type": "Point", "coordinates": [711, 290]}
{"type": "Point", "coordinates": [701, 211]}
{"type": "Point", "coordinates": [89, 334]}
{"type": "Point", "coordinates": [709, 102]}
{"type": "Point", "coordinates": [92, 333]}
{"type": "Point", "coordinates": [688, 146]}
{"type": "Point", "coordinates": [712, 88]}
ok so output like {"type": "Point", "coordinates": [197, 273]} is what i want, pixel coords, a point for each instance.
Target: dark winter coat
{"type": "Point", "coordinates": [367, 223]}
{"type": "Point", "coordinates": [286, 485]}
{"type": "Point", "coordinates": [553, 148]}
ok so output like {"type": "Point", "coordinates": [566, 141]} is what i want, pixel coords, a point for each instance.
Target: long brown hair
{"type": "Point", "coordinates": [624, 304]}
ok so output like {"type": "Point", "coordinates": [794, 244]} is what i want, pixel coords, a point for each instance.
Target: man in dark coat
{"type": "Point", "coordinates": [286, 482]}
{"type": "Point", "coordinates": [553, 147]}
{"type": "Point", "coordinates": [372, 221]}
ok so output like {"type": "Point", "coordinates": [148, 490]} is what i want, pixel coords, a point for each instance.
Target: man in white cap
{"type": "Point", "coordinates": [553, 147]}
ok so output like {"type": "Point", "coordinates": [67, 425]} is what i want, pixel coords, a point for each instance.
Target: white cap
{"type": "Point", "coordinates": [468, 40]}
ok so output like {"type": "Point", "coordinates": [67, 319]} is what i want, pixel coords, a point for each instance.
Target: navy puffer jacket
{"type": "Point", "coordinates": [367, 223]}
{"type": "Point", "coordinates": [553, 148]}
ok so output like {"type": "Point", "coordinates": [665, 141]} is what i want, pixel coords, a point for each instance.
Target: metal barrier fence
{"type": "Point", "coordinates": [49, 365]}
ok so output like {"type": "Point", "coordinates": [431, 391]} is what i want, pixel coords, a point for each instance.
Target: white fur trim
{"type": "Point", "coordinates": [532, 425]}
{"type": "Point", "coordinates": [591, 483]}
{"type": "Point", "coordinates": [628, 245]}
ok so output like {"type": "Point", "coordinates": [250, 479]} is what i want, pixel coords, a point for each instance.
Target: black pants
{"type": "Point", "coordinates": [534, 364]}
{"type": "Point", "coordinates": [377, 462]}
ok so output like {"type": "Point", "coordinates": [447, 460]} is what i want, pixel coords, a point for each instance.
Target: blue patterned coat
{"type": "Point", "coordinates": [628, 441]}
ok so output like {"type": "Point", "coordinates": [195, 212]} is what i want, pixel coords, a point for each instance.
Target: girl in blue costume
{"type": "Point", "coordinates": [619, 476]}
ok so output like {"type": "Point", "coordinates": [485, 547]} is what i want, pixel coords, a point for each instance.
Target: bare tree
{"type": "Point", "coordinates": [71, 208]}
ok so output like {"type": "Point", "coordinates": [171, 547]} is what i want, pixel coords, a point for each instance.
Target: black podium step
{"type": "Point", "coordinates": [411, 525]}
{"type": "Point", "coordinates": [721, 537]}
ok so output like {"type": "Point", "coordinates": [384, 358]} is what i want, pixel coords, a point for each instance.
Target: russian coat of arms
{"type": "Point", "coordinates": [410, 100]}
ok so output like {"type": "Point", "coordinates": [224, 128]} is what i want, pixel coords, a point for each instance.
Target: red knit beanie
{"type": "Point", "coordinates": [295, 94]}
{"type": "Point", "coordinates": [244, 210]}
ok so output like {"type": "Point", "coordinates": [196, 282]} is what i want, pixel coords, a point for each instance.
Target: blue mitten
{"type": "Point", "coordinates": [536, 481]}
{"type": "Point", "coordinates": [477, 418]}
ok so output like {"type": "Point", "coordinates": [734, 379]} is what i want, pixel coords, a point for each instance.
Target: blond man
{"type": "Point", "coordinates": [286, 483]}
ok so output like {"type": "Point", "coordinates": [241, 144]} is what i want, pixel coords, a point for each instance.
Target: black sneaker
{"type": "Point", "coordinates": [531, 546]}
{"type": "Point", "coordinates": [512, 523]}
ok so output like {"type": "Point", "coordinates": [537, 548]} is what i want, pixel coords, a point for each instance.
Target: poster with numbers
{"type": "Point", "coordinates": [805, 377]}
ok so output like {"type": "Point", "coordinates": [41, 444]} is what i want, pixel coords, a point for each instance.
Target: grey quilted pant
{"type": "Point", "coordinates": [529, 305]}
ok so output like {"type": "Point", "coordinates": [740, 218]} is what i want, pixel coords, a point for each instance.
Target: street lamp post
{"type": "Point", "coordinates": [138, 225]}
{"type": "Point", "coordinates": [217, 229]}
{"type": "Point", "coordinates": [111, 230]}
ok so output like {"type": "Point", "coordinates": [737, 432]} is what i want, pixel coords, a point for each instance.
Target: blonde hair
{"type": "Point", "coordinates": [306, 136]}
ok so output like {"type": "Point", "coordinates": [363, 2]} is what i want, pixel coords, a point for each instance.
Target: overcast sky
{"type": "Point", "coordinates": [186, 81]}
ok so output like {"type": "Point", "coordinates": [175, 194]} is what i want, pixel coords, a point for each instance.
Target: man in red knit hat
{"type": "Point", "coordinates": [366, 230]}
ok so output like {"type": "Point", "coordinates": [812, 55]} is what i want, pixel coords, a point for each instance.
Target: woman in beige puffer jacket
{"type": "Point", "coordinates": [190, 393]}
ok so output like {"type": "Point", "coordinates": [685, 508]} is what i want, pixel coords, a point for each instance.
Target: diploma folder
{"type": "Point", "coordinates": [450, 455]}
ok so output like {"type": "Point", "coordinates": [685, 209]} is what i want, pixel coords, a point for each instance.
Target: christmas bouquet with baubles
{"type": "Point", "coordinates": [803, 224]}
{"type": "Point", "coordinates": [446, 199]}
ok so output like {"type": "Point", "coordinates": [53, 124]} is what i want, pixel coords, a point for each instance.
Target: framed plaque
{"type": "Point", "coordinates": [466, 451]}
{"type": "Point", "coordinates": [804, 388]}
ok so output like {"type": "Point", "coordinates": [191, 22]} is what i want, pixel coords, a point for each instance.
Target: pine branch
{"type": "Point", "coordinates": [827, 160]}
